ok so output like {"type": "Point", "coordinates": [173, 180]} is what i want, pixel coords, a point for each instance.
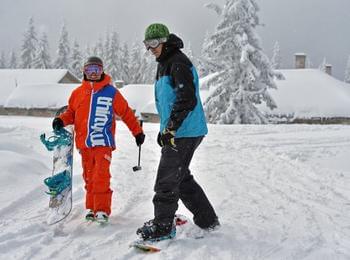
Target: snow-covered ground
{"type": "Point", "coordinates": [281, 192]}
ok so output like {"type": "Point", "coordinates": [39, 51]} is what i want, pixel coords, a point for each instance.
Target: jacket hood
{"type": "Point", "coordinates": [174, 41]}
{"type": "Point", "coordinates": [97, 85]}
{"type": "Point", "coordinates": [173, 44]}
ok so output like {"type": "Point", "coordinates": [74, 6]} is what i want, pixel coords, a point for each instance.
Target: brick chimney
{"type": "Point", "coordinates": [119, 83]}
{"type": "Point", "coordinates": [300, 60]}
{"type": "Point", "coordinates": [328, 68]}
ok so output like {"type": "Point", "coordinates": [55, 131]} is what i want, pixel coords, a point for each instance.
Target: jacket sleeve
{"type": "Point", "coordinates": [185, 91]}
{"type": "Point", "coordinates": [69, 115]}
{"type": "Point", "coordinates": [122, 109]}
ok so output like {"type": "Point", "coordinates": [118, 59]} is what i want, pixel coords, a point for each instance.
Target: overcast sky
{"type": "Point", "coordinates": [320, 28]}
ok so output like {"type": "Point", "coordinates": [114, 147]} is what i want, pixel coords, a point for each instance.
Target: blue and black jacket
{"type": "Point", "coordinates": [177, 92]}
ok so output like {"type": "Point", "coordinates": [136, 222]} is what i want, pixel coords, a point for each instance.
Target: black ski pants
{"type": "Point", "coordinates": [174, 181]}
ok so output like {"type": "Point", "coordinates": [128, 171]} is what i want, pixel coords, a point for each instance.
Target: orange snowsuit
{"type": "Point", "coordinates": [92, 108]}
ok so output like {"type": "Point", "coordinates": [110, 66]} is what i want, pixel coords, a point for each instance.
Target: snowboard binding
{"type": "Point", "coordinates": [60, 138]}
{"type": "Point", "coordinates": [57, 183]}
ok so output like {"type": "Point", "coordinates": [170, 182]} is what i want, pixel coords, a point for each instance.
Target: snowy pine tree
{"type": "Point", "coordinates": [203, 67]}
{"type": "Point", "coordinates": [13, 60]}
{"type": "Point", "coordinates": [135, 63]}
{"type": "Point", "coordinates": [276, 61]}
{"type": "Point", "coordinates": [106, 47]}
{"type": "Point", "coordinates": [125, 66]}
{"type": "Point", "coordinates": [42, 59]}
{"type": "Point", "coordinates": [142, 66]}
{"type": "Point", "coordinates": [98, 49]}
{"type": "Point", "coordinates": [347, 72]}
{"type": "Point", "coordinates": [189, 53]}
{"type": "Point", "coordinates": [308, 63]}
{"type": "Point", "coordinates": [113, 66]}
{"type": "Point", "coordinates": [244, 70]}
{"type": "Point", "coordinates": [323, 64]}
{"type": "Point", "coordinates": [87, 52]}
{"type": "Point", "coordinates": [215, 7]}
{"type": "Point", "coordinates": [148, 67]}
{"type": "Point", "coordinates": [77, 60]}
{"type": "Point", "coordinates": [63, 51]}
{"type": "Point", "coordinates": [29, 46]}
{"type": "Point", "coordinates": [3, 61]}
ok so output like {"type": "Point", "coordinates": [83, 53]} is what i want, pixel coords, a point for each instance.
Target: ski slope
{"type": "Point", "coordinates": [281, 192]}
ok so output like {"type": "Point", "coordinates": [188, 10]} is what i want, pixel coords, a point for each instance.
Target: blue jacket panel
{"type": "Point", "coordinates": [101, 118]}
{"type": "Point", "coordinates": [194, 124]}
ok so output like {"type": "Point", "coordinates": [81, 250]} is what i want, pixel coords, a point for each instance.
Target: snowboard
{"type": "Point", "coordinates": [153, 247]}
{"type": "Point", "coordinates": [59, 184]}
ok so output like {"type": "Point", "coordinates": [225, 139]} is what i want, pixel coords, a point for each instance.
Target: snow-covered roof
{"type": "Point", "coordinates": [307, 93]}
{"type": "Point", "coordinates": [48, 95]}
{"type": "Point", "coordinates": [150, 107]}
{"type": "Point", "coordinates": [139, 96]}
{"type": "Point", "coordinates": [10, 79]}
{"type": "Point", "coordinates": [33, 76]}
{"type": "Point", "coordinates": [304, 93]}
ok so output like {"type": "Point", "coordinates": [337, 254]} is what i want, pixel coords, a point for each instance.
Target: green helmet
{"type": "Point", "coordinates": [156, 31]}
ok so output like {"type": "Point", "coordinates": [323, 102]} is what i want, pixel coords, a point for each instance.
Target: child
{"type": "Point", "coordinates": [92, 108]}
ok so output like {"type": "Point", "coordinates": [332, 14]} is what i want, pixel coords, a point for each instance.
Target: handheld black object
{"type": "Point", "coordinates": [138, 167]}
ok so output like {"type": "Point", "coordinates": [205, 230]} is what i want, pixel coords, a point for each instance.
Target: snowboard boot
{"type": "Point", "coordinates": [153, 232]}
{"type": "Point", "coordinates": [90, 215]}
{"type": "Point", "coordinates": [101, 217]}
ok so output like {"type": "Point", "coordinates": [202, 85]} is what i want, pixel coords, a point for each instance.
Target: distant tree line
{"type": "Point", "coordinates": [128, 62]}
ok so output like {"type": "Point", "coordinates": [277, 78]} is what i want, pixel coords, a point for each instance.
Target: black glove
{"type": "Point", "coordinates": [168, 138]}
{"type": "Point", "coordinates": [57, 124]}
{"type": "Point", "coordinates": [140, 138]}
{"type": "Point", "coordinates": [159, 141]}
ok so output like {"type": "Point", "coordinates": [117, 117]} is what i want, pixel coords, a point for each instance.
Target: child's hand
{"type": "Point", "coordinates": [57, 124]}
{"type": "Point", "coordinates": [140, 138]}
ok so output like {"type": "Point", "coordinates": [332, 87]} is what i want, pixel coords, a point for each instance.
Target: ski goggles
{"type": "Point", "coordinates": [154, 43]}
{"type": "Point", "coordinates": [93, 69]}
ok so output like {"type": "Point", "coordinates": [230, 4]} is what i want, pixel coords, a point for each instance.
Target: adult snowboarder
{"type": "Point", "coordinates": [92, 108]}
{"type": "Point", "coordinates": [182, 128]}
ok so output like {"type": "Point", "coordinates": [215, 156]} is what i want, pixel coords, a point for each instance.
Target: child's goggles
{"type": "Point", "coordinates": [92, 69]}
{"type": "Point", "coordinates": [154, 43]}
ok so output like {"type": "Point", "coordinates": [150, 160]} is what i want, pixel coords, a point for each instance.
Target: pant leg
{"type": "Point", "coordinates": [196, 201]}
{"type": "Point", "coordinates": [167, 186]}
{"type": "Point", "coordinates": [172, 169]}
{"type": "Point", "coordinates": [191, 193]}
{"type": "Point", "coordinates": [88, 166]}
{"type": "Point", "coordinates": [102, 194]}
